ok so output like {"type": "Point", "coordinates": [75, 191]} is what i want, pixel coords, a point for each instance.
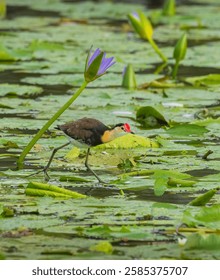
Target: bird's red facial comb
{"type": "Point", "coordinates": [127, 127]}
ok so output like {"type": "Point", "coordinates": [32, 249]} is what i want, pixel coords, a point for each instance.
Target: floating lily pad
{"type": "Point", "coordinates": [149, 117]}
{"type": "Point", "coordinates": [201, 200]}
{"type": "Point", "coordinates": [129, 141]}
{"type": "Point", "coordinates": [19, 90]}
{"type": "Point", "coordinates": [102, 246]}
{"type": "Point", "coordinates": [206, 216]}
{"type": "Point", "coordinates": [211, 80]}
{"type": "Point", "coordinates": [5, 55]}
{"type": "Point", "coordinates": [187, 130]}
{"type": "Point", "coordinates": [202, 241]}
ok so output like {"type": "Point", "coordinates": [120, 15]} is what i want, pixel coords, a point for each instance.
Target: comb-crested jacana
{"type": "Point", "coordinates": [88, 132]}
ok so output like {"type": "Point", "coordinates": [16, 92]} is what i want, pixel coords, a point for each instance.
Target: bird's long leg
{"type": "Point", "coordinates": [89, 168]}
{"type": "Point", "coordinates": [47, 177]}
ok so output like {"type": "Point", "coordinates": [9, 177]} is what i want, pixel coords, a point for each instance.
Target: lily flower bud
{"type": "Point", "coordinates": [179, 53]}
{"type": "Point", "coordinates": [141, 25]}
{"type": "Point", "coordinates": [97, 65]}
{"type": "Point", "coordinates": [129, 80]}
{"type": "Point", "coordinates": [180, 48]}
{"type": "Point", "coordinates": [169, 8]}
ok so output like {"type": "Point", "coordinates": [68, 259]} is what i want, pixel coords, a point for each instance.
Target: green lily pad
{"type": "Point", "coordinates": [19, 90]}
{"type": "Point", "coordinates": [187, 130]}
{"type": "Point", "coordinates": [206, 216]}
{"type": "Point", "coordinates": [102, 246]}
{"type": "Point", "coordinates": [165, 179]}
{"type": "Point", "coordinates": [149, 117]}
{"type": "Point", "coordinates": [129, 141]}
{"type": "Point", "coordinates": [201, 200]}
{"type": "Point", "coordinates": [5, 55]}
{"type": "Point", "coordinates": [211, 80]}
{"type": "Point", "coordinates": [202, 241]}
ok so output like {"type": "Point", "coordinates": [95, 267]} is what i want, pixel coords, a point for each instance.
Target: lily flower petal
{"type": "Point", "coordinates": [97, 64]}
{"type": "Point", "coordinates": [95, 54]}
{"type": "Point", "coordinates": [106, 63]}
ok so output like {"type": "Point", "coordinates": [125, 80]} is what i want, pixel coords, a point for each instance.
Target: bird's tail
{"type": "Point", "coordinates": [57, 127]}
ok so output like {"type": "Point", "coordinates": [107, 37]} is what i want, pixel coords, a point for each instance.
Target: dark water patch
{"type": "Point", "coordinates": [102, 191]}
{"type": "Point", "coordinates": [193, 3]}
{"type": "Point", "coordinates": [201, 42]}
{"type": "Point", "coordinates": [14, 11]}
{"type": "Point", "coordinates": [18, 115]}
{"type": "Point", "coordinates": [192, 71]}
{"type": "Point", "coordinates": [184, 71]}
{"type": "Point", "coordinates": [9, 162]}
{"type": "Point", "coordinates": [134, 243]}
{"type": "Point", "coordinates": [18, 131]}
{"type": "Point", "coordinates": [167, 197]}
{"type": "Point", "coordinates": [97, 190]}
{"type": "Point", "coordinates": [57, 89]}
{"type": "Point", "coordinates": [191, 42]}
{"type": "Point", "coordinates": [14, 77]}
{"type": "Point", "coordinates": [202, 172]}
{"type": "Point", "coordinates": [194, 143]}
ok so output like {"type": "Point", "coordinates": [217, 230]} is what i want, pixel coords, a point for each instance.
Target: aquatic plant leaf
{"type": "Point", "coordinates": [3, 9]}
{"type": "Point", "coordinates": [129, 79]}
{"type": "Point", "coordinates": [210, 80]}
{"type": "Point", "coordinates": [160, 186]}
{"type": "Point", "coordinates": [141, 25]}
{"type": "Point", "coordinates": [202, 199]}
{"type": "Point", "coordinates": [129, 141]}
{"type": "Point", "coordinates": [187, 130]}
{"type": "Point", "coordinates": [206, 216]}
{"type": "Point", "coordinates": [168, 178]}
{"type": "Point", "coordinates": [72, 179]}
{"type": "Point", "coordinates": [169, 8]}
{"type": "Point", "coordinates": [175, 182]}
{"type": "Point", "coordinates": [180, 48]}
{"type": "Point", "coordinates": [19, 90]}
{"type": "Point", "coordinates": [37, 45]}
{"type": "Point", "coordinates": [103, 246]}
{"type": "Point", "coordinates": [42, 189]}
{"type": "Point", "coordinates": [5, 55]}
{"type": "Point", "coordinates": [202, 241]}
{"type": "Point", "coordinates": [149, 117]}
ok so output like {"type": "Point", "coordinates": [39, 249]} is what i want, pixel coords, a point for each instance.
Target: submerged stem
{"type": "Point", "coordinates": [157, 50]}
{"type": "Point", "coordinates": [175, 69]}
{"type": "Point", "coordinates": [22, 156]}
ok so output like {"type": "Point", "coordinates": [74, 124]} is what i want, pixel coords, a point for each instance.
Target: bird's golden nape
{"type": "Point", "coordinates": [117, 131]}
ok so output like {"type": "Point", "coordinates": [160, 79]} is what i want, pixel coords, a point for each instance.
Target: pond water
{"type": "Point", "coordinates": [154, 179]}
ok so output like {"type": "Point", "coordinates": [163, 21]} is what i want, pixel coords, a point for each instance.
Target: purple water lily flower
{"type": "Point", "coordinates": [97, 64]}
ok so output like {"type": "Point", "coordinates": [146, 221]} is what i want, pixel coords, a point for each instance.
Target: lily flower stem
{"type": "Point", "coordinates": [20, 161]}
{"type": "Point", "coordinates": [175, 69]}
{"type": "Point", "coordinates": [157, 50]}
{"type": "Point", "coordinates": [160, 68]}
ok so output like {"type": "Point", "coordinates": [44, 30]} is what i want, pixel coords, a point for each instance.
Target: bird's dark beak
{"type": "Point", "coordinates": [132, 132]}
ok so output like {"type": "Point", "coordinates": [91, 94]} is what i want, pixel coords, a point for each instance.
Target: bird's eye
{"type": "Point", "coordinates": [122, 127]}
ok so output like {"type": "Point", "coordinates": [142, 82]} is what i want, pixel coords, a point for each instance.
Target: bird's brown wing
{"type": "Point", "coordinates": [86, 130]}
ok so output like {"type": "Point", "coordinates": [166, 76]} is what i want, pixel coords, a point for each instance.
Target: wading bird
{"type": "Point", "coordinates": [88, 132]}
